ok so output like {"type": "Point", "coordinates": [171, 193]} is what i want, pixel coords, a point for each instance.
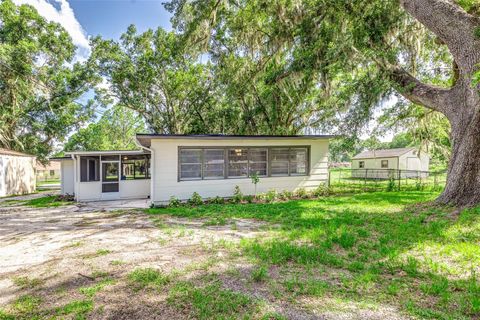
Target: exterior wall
{"type": "Point", "coordinates": [17, 175]}
{"type": "Point", "coordinates": [134, 189]}
{"type": "Point", "coordinates": [373, 168]}
{"type": "Point", "coordinates": [67, 177]}
{"type": "Point", "coordinates": [165, 169]}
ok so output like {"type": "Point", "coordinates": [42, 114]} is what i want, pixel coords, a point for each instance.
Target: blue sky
{"type": "Point", "coordinates": [109, 18]}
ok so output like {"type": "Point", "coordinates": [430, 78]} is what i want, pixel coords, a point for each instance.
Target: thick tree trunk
{"type": "Point", "coordinates": [463, 179]}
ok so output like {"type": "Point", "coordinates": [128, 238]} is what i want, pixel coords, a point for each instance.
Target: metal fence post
{"type": "Point", "coordinates": [399, 179]}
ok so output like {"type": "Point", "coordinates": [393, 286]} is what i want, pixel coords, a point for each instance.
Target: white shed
{"type": "Point", "coordinates": [408, 162]}
{"type": "Point", "coordinates": [17, 173]}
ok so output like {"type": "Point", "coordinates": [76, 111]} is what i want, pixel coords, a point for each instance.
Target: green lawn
{"type": "Point", "coordinates": [383, 248]}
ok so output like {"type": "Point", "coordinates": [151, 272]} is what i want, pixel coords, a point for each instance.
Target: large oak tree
{"type": "Point", "coordinates": [427, 51]}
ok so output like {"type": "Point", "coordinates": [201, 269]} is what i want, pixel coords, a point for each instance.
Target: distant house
{"type": "Point", "coordinates": [17, 173]}
{"type": "Point", "coordinates": [408, 162]}
{"type": "Point", "coordinates": [49, 171]}
{"type": "Point", "coordinates": [212, 165]}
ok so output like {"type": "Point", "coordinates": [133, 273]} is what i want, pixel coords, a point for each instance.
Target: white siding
{"type": "Point", "coordinates": [17, 175]}
{"type": "Point", "coordinates": [165, 170]}
{"type": "Point", "coordinates": [67, 177]}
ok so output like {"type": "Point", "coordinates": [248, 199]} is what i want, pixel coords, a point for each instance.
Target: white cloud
{"type": "Point", "coordinates": [65, 16]}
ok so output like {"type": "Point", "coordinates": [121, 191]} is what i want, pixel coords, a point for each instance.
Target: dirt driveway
{"type": "Point", "coordinates": [85, 262]}
{"type": "Point", "coordinates": [54, 252]}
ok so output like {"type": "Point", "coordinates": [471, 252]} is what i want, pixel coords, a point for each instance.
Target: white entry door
{"type": "Point", "coordinates": [110, 180]}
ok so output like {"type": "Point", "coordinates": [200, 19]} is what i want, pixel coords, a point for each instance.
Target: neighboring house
{"type": "Point", "coordinates": [50, 171]}
{"type": "Point", "coordinates": [408, 162]}
{"type": "Point", "coordinates": [17, 173]}
{"type": "Point", "coordinates": [212, 165]}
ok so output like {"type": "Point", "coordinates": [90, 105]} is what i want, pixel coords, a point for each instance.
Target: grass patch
{"type": "Point", "coordinates": [148, 277]}
{"type": "Point", "coordinates": [211, 302]}
{"type": "Point", "coordinates": [78, 309]}
{"type": "Point", "coordinates": [26, 305]}
{"type": "Point", "coordinates": [381, 248]}
{"type": "Point", "coordinates": [91, 291]}
{"type": "Point", "coordinates": [26, 282]}
{"type": "Point", "coordinates": [98, 253]}
{"type": "Point", "coordinates": [47, 202]}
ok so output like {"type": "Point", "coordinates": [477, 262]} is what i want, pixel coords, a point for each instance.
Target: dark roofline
{"type": "Point", "coordinates": [233, 136]}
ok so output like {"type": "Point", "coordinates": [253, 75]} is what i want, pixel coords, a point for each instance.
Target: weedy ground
{"type": "Point", "coordinates": [384, 255]}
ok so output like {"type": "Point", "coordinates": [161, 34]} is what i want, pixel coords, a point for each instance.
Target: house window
{"type": "Point", "coordinates": [89, 169]}
{"type": "Point", "coordinates": [257, 161]}
{"type": "Point", "coordinates": [237, 163]}
{"type": "Point", "coordinates": [190, 164]}
{"type": "Point", "coordinates": [384, 164]}
{"type": "Point", "coordinates": [241, 162]}
{"type": "Point", "coordinates": [135, 167]}
{"type": "Point", "coordinates": [52, 173]}
{"type": "Point", "coordinates": [361, 164]}
{"type": "Point", "coordinates": [213, 163]}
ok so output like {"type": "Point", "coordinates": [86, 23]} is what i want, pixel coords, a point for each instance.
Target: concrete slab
{"type": "Point", "coordinates": [111, 205]}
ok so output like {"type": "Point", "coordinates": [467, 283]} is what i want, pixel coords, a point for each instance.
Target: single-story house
{"type": "Point", "coordinates": [212, 165]}
{"type": "Point", "coordinates": [408, 162]}
{"type": "Point", "coordinates": [49, 171]}
{"type": "Point", "coordinates": [17, 173]}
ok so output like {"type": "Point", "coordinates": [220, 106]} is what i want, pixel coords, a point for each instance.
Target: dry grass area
{"type": "Point", "coordinates": [373, 256]}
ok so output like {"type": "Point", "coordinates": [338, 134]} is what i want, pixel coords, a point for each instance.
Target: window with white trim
{"type": "Point", "coordinates": [89, 168]}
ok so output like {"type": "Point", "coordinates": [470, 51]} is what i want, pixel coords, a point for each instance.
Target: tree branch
{"type": "Point", "coordinates": [432, 97]}
{"type": "Point", "coordinates": [453, 25]}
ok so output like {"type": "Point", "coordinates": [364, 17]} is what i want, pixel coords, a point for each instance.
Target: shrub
{"type": "Point", "coordinates": [174, 202]}
{"type": "Point", "coordinates": [255, 180]}
{"type": "Point", "coordinates": [301, 193]}
{"type": "Point", "coordinates": [285, 195]}
{"type": "Point", "coordinates": [237, 195]}
{"type": "Point", "coordinates": [321, 191]}
{"type": "Point", "coordinates": [195, 200]}
{"type": "Point", "coordinates": [391, 186]}
{"type": "Point", "coordinates": [217, 200]}
{"type": "Point", "coordinates": [249, 198]}
{"type": "Point", "coordinates": [271, 196]}
{"type": "Point", "coordinates": [419, 186]}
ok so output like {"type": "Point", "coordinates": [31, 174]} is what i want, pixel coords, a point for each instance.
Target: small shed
{"type": "Point", "coordinates": [407, 162]}
{"type": "Point", "coordinates": [17, 173]}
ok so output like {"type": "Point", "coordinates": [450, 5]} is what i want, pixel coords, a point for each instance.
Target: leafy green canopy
{"type": "Point", "coordinates": [115, 130]}
{"type": "Point", "coordinates": [294, 66]}
{"type": "Point", "coordinates": [153, 74]}
{"type": "Point", "coordinates": [38, 81]}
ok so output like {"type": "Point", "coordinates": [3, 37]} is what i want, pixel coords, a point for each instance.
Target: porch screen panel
{"type": "Point", "coordinates": [237, 163]}
{"type": "Point", "coordinates": [257, 162]}
{"type": "Point", "coordinates": [89, 168]}
{"type": "Point", "coordinates": [190, 164]}
{"type": "Point", "coordinates": [298, 161]}
{"type": "Point", "coordinates": [279, 161]}
{"type": "Point", "coordinates": [213, 163]}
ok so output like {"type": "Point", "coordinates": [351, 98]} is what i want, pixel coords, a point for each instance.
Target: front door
{"type": "Point", "coordinates": [110, 180]}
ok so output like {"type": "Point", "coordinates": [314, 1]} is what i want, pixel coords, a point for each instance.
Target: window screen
{"type": "Point", "coordinates": [213, 163]}
{"type": "Point", "coordinates": [257, 162]}
{"type": "Point", "coordinates": [361, 164]}
{"type": "Point", "coordinates": [384, 164]}
{"type": "Point", "coordinates": [89, 169]}
{"type": "Point", "coordinates": [135, 167]}
{"type": "Point", "coordinates": [190, 164]}
{"type": "Point", "coordinates": [279, 162]}
{"type": "Point", "coordinates": [237, 163]}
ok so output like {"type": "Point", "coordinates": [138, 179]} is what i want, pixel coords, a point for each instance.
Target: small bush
{"type": "Point", "coordinates": [419, 186]}
{"type": "Point", "coordinates": [174, 202]}
{"type": "Point", "coordinates": [301, 193]}
{"type": "Point", "coordinates": [195, 200]}
{"type": "Point", "coordinates": [271, 196]}
{"type": "Point", "coordinates": [217, 200]}
{"type": "Point", "coordinates": [321, 191]}
{"type": "Point", "coordinates": [392, 185]}
{"type": "Point", "coordinates": [237, 195]}
{"type": "Point", "coordinates": [285, 195]}
{"type": "Point", "coordinates": [249, 198]}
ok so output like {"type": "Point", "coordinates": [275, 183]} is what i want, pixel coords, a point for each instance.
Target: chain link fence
{"type": "Point", "coordinates": [364, 180]}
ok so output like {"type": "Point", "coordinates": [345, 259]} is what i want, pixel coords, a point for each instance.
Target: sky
{"type": "Point", "coordinates": [107, 18]}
